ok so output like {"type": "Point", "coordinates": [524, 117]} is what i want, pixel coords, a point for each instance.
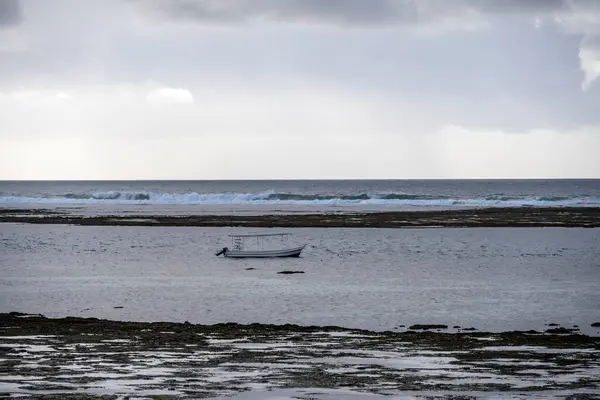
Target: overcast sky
{"type": "Point", "coordinates": [225, 89]}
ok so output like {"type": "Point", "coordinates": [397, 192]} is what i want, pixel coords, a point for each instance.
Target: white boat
{"type": "Point", "coordinates": [257, 246]}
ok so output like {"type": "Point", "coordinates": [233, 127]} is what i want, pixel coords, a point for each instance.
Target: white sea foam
{"type": "Point", "coordinates": [270, 198]}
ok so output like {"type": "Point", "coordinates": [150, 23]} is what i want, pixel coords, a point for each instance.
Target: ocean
{"type": "Point", "coordinates": [492, 279]}
{"type": "Point", "coordinates": [480, 282]}
{"type": "Point", "coordinates": [303, 195]}
{"type": "Point", "coordinates": [495, 279]}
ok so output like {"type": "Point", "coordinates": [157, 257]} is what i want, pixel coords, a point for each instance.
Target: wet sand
{"type": "Point", "coordinates": [586, 217]}
{"type": "Point", "coordinates": [88, 358]}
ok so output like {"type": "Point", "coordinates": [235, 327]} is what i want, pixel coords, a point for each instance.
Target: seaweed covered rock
{"type": "Point", "coordinates": [425, 327]}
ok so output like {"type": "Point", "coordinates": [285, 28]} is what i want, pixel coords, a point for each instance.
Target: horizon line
{"type": "Point", "coordinates": [291, 179]}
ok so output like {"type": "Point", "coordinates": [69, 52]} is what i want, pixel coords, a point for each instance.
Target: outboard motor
{"type": "Point", "coordinates": [223, 251]}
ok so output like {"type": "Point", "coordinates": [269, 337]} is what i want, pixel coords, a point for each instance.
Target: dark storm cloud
{"type": "Point", "coordinates": [534, 6]}
{"type": "Point", "coordinates": [346, 12]}
{"type": "Point", "coordinates": [519, 6]}
{"type": "Point", "coordinates": [324, 11]}
{"type": "Point", "coordinates": [10, 13]}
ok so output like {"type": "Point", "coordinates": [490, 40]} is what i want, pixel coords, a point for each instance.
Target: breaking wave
{"type": "Point", "coordinates": [108, 196]}
{"type": "Point", "coordinates": [405, 199]}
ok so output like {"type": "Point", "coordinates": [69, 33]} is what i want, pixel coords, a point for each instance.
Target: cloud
{"type": "Point", "coordinates": [378, 95]}
{"type": "Point", "coordinates": [459, 14]}
{"type": "Point", "coordinates": [88, 133]}
{"type": "Point", "coordinates": [451, 152]}
{"type": "Point", "coordinates": [579, 17]}
{"type": "Point", "coordinates": [35, 98]}
{"type": "Point", "coordinates": [349, 12]}
{"type": "Point", "coordinates": [109, 111]}
{"type": "Point", "coordinates": [10, 13]}
{"type": "Point", "coordinates": [519, 6]}
{"type": "Point", "coordinates": [168, 95]}
{"type": "Point", "coordinates": [589, 57]}
{"type": "Point", "coordinates": [236, 11]}
{"type": "Point", "coordinates": [530, 154]}
{"type": "Point", "coordinates": [140, 111]}
{"type": "Point", "coordinates": [582, 17]}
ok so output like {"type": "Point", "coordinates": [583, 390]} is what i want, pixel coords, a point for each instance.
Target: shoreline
{"type": "Point", "coordinates": [572, 217]}
{"type": "Point", "coordinates": [89, 358]}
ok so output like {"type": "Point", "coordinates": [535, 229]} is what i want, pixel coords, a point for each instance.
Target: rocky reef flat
{"type": "Point", "coordinates": [587, 217]}
{"type": "Point", "coordinates": [89, 358]}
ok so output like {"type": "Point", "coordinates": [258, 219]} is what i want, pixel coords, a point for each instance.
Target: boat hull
{"type": "Point", "coordinates": [291, 252]}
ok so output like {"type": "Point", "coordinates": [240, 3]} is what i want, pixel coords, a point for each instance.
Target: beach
{"type": "Point", "coordinates": [93, 359]}
{"type": "Point", "coordinates": [128, 300]}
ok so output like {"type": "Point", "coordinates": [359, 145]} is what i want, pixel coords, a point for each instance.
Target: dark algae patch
{"type": "Point", "coordinates": [425, 327]}
{"type": "Point", "coordinates": [89, 358]}
{"type": "Point", "coordinates": [561, 330]}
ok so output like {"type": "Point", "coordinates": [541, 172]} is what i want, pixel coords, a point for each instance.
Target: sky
{"type": "Point", "coordinates": [299, 89]}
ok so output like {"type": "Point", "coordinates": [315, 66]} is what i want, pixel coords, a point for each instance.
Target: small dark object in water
{"type": "Point", "coordinates": [250, 269]}
{"type": "Point", "coordinates": [290, 272]}
{"type": "Point", "coordinates": [552, 324]}
{"type": "Point", "coordinates": [433, 326]}
{"type": "Point", "coordinates": [596, 324]}
{"type": "Point", "coordinates": [118, 307]}
{"type": "Point", "coordinates": [470, 329]}
{"type": "Point", "coordinates": [560, 330]}
{"type": "Point", "coordinates": [456, 327]}
{"type": "Point", "coordinates": [223, 251]}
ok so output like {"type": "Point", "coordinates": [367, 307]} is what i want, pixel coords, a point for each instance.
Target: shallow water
{"type": "Point", "coordinates": [494, 279]}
